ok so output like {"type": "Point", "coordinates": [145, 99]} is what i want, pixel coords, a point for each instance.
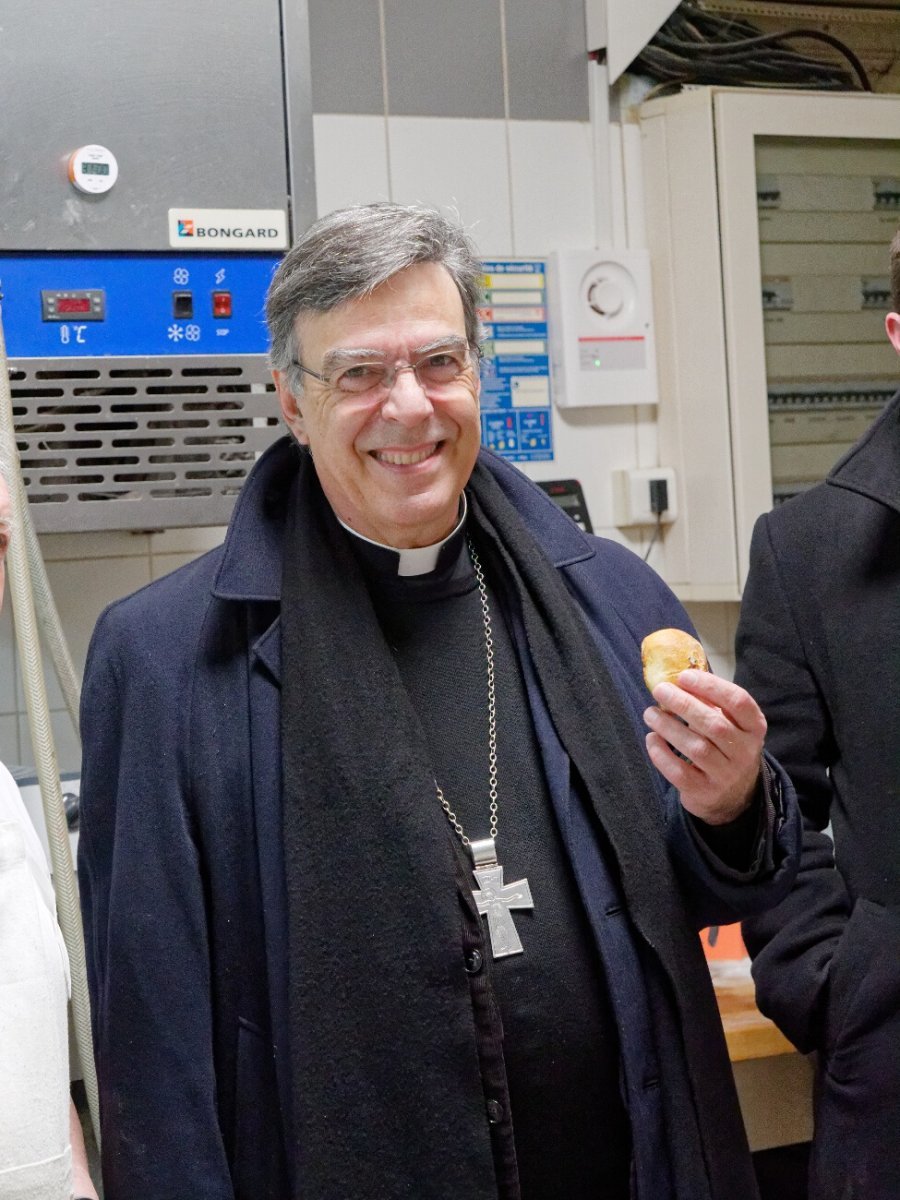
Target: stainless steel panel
{"type": "Point", "coordinates": [189, 98]}
{"type": "Point", "coordinates": [298, 106]}
{"type": "Point", "coordinates": [345, 51]}
{"type": "Point", "coordinates": [548, 66]}
{"type": "Point", "coordinates": [120, 443]}
{"type": "Point", "coordinates": [444, 60]}
{"type": "Point", "coordinates": [204, 105]}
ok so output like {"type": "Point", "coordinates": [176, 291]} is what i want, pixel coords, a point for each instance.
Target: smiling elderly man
{"type": "Point", "coordinates": [385, 894]}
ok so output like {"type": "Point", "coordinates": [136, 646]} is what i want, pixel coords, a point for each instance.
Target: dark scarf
{"type": "Point", "coordinates": [387, 1094]}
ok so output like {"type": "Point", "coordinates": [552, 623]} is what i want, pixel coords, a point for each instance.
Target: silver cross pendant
{"type": "Point", "coordinates": [495, 900]}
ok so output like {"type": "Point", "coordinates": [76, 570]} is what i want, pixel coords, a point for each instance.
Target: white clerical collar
{"type": "Point", "coordinates": [421, 559]}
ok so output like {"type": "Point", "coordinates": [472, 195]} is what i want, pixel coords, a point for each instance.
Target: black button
{"type": "Point", "coordinates": [474, 961]}
{"type": "Point", "coordinates": [495, 1112]}
{"type": "Point", "coordinates": [183, 305]}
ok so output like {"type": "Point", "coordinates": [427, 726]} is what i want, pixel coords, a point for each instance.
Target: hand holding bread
{"type": "Point", "coordinates": [668, 652]}
{"type": "Point", "coordinates": [706, 733]}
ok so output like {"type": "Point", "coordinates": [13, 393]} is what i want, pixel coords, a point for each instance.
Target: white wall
{"type": "Point", "coordinates": [86, 572]}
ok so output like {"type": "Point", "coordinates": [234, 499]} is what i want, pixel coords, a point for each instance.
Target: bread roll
{"type": "Point", "coordinates": [668, 652]}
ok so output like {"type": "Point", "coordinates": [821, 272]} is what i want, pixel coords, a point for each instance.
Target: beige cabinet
{"type": "Point", "coordinates": [769, 216]}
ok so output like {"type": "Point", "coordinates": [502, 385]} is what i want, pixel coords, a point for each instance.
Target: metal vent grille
{"type": "Point", "coordinates": [115, 443]}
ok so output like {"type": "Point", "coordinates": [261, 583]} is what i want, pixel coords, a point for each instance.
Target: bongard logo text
{"type": "Point", "coordinates": [229, 231]}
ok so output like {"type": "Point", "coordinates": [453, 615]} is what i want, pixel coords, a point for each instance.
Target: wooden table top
{"type": "Point", "coordinates": [748, 1033]}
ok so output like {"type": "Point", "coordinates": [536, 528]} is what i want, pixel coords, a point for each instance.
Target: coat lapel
{"type": "Point", "coordinates": [265, 748]}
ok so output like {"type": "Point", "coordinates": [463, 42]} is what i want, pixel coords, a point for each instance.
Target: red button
{"type": "Point", "coordinates": [221, 304]}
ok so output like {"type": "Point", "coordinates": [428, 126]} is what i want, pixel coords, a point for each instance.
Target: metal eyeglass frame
{"type": "Point", "coordinates": [473, 356]}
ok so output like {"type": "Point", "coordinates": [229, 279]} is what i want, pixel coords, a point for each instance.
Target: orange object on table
{"type": "Point", "coordinates": [748, 1033]}
{"type": "Point", "coordinates": [723, 942]}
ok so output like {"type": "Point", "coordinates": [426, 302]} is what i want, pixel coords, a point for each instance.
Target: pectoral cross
{"type": "Point", "coordinates": [495, 899]}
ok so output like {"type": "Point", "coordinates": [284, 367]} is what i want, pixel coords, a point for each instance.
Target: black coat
{"type": "Point", "coordinates": [818, 645]}
{"type": "Point", "coordinates": [182, 878]}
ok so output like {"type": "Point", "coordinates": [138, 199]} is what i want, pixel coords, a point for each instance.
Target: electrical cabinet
{"type": "Point", "coordinates": [769, 220]}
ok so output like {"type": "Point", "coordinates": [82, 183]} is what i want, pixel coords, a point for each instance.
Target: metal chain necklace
{"type": "Point", "coordinates": [494, 899]}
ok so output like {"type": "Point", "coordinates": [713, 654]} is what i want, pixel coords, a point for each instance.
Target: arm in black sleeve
{"type": "Point", "coordinates": [792, 944]}
{"type": "Point", "coordinates": [745, 845]}
{"type": "Point", "coordinates": [145, 927]}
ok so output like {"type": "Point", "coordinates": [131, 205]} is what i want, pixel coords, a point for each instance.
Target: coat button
{"type": "Point", "coordinates": [495, 1112]}
{"type": "Point", "coordinates": [474, 962]}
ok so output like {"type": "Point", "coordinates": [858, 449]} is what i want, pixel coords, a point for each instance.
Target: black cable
{"type": "Point", "coordinates": [656, 533]}
{"type": "Point", "coordinates": [697, 47]}
{"type": "Point", "coordinates": [706, 26]}
{"type": "Point", "coordinates": [691, 60]}
{"type": "Point", "coordinates": [778, 62]}
{"type": "Point", "coordinates": [740, 72]}
{"type": "Point", "coordinates": [728, 74]}
{"type": "Point", "coordinates": [768, 39]}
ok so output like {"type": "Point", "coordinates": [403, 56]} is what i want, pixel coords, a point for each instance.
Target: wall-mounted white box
{"type": "Point", "coordinates": [601, 329]}
{"type": "Point", "coordinates": [633, 496]}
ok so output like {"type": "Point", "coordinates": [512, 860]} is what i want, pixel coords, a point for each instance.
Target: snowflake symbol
{"type": "Point", "coordinates": [175, 332]}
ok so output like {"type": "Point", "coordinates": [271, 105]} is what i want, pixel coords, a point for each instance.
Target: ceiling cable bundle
{"type": "Point", "coordinates": [699, 47]}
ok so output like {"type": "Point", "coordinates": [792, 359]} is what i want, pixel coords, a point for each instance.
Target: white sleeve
{"type": "Point", "coordinates": [35, 1157]}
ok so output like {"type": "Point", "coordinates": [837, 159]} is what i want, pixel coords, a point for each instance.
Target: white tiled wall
{"type": "Point", "coordinates": [715, 625]}
{"type": "Point", "coordinates": [551, 184]}
{"type": "Point", "coordinates": [86, 572]}
{"type": "Point", "coordinates": [351, 160]}
{"type": "Point", "coordinates": [459, 165]}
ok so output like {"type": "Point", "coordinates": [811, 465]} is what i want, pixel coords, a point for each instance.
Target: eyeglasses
{"type": "Point", "coordinates": [436, 372]}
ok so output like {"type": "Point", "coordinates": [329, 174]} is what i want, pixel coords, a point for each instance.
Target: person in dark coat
{"type": "Point", "coordinates": [818, 645]}
{"type": "Point", "coordinates": [384, 893]}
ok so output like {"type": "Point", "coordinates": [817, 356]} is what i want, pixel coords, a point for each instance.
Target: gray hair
{"type": "Point", "coordinates": [349, 253]}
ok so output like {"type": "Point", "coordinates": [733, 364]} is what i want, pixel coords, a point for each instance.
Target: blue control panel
{"type": "Point", "coordinates": [70, 306]}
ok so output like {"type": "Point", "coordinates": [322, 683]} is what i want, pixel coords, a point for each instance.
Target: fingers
{"type": "Point", "coordinates": [736, 704]}
{"type": "Point", "coordinates": [681, 774]}
{"type": "Point", "coordinates": [719, 729]}
{"type": "Point", "coordinates": [694, 743]}
{"type": "Point", "coordinates": [717, 798]}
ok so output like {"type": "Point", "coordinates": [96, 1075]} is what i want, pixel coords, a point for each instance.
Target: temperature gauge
{"type": "Point", "coordinates": [88, 305]}
{"type": "Point", "coordinates": [93, 169]}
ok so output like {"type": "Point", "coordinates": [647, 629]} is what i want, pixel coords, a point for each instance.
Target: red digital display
{"type": "Point", "coordinates": [73, 304]}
